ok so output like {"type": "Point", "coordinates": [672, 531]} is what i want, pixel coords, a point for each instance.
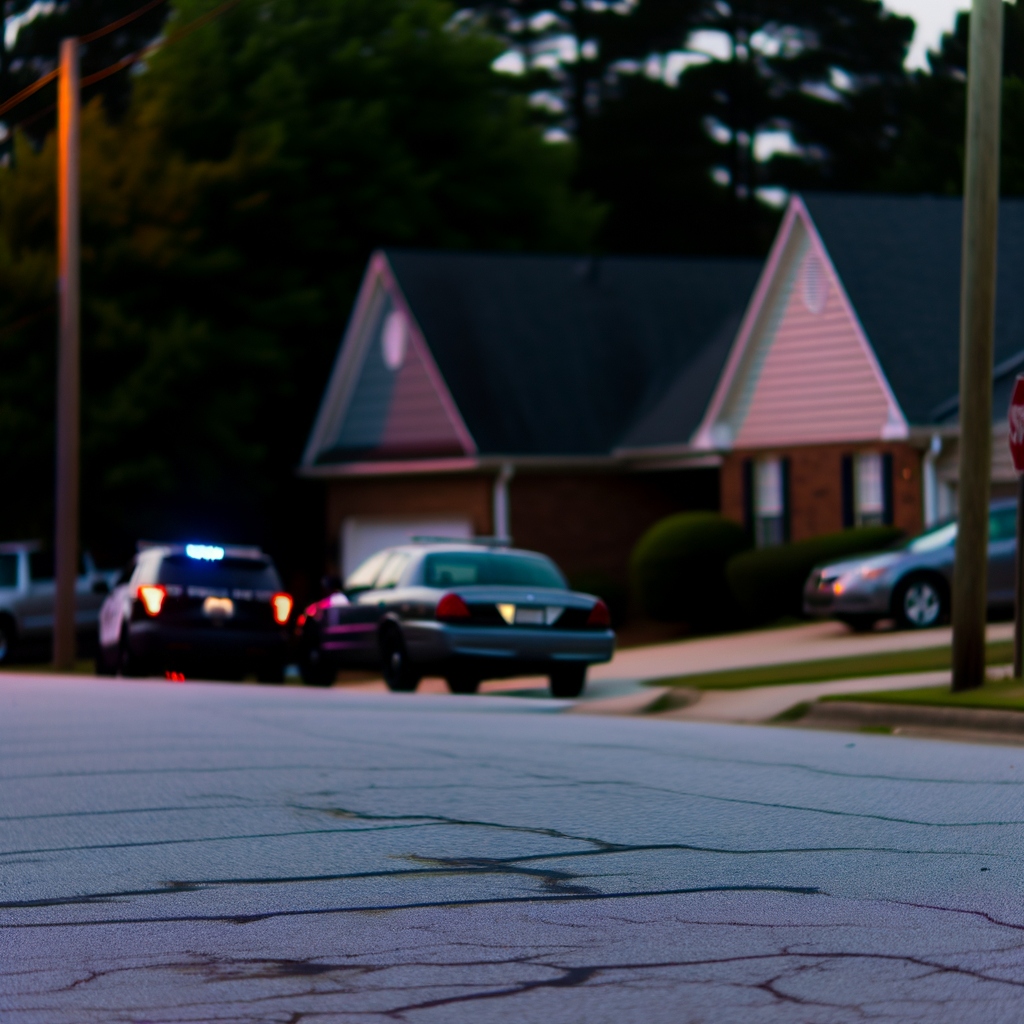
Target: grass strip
{"type": "Point", "coordinates": [879, 664]}
{"type": "Point", "coordinates": [1005, 695]}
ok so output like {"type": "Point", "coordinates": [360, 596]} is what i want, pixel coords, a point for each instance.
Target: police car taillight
{"type": "Point", "coordinates": [152, 598]}
{"type": "Point", "coordinates": [451, 606]}
{"type": "Point", "coordinates": [282, 605]}
{"type": "Point", "coordinates": [599, 616]}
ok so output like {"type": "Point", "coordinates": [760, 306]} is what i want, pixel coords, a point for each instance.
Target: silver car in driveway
{"type": "Point", "coordinates": [461, 610]}
{"type": "Point", "coordinates": [912, 582]}
{"type": "Point", "coordinates": [27, 592]}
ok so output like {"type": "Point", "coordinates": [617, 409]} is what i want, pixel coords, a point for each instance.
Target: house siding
{"type": "Point", "coordinates": [816, 485]}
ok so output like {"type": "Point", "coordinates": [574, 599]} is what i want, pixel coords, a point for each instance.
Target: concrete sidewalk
{"type": "Point", "coordinates": [810, 642]}
{"type": "Point", "coordinates": [763, 703]}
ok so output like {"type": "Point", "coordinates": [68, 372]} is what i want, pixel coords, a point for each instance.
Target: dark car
{"type": "Point", "coordinates": [464, 611]}
{"type": "Point", "coordinates": [199, 610]}
{"type": "Point", "coordinates": [912, 582]}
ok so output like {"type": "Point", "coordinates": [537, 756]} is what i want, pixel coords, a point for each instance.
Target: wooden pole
{"type": "Point", "coordinates": [66, 527]}
{"type": "Point", "coordinates": [977, 323]}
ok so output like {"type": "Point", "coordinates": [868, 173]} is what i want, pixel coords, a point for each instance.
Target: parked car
{"type": "Point", "coordinates": [27, 592]}
{"type": "Point", "coordinates": [202, 610]}
{"type": "Point", "coordinates": [461, 610]}
{"type": "Point", "coordinates": [912, 583]}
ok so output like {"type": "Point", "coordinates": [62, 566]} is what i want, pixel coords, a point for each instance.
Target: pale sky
{"type": "Point", "coordinates": [933, 17]}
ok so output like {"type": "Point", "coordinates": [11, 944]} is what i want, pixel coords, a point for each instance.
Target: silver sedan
{"type": "Point", "coordinates": [912, 583]}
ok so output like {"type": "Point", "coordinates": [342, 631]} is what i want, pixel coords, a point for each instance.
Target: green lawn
{"type": "Point", "coordinates": [1005, 695]}
{"type": "Point", "coordinates": [881, 664]}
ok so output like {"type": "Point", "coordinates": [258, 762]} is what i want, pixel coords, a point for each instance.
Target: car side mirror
{"type": "Point", "coordinates": [101, 587]}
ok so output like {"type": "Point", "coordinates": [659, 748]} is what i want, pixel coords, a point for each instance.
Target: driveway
{"type": "Point", "coordinates": [208, 852]}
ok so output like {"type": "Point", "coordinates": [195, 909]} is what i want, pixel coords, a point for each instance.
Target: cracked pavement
{"type": "Point", "coordinates": [205, 852]}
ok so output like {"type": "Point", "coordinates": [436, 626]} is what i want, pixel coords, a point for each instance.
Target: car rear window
{"type": "Point", "coordinates": [468, 568]}
{"type": "Point", "coordinates": [243, 573]}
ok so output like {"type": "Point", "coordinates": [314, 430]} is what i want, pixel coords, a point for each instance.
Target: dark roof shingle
{"type": "Point", "coordinates": [570, 355]}
{"type": "Point", "coordinates": [899, 259]}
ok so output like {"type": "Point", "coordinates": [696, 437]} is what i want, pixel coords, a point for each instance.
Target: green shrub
{"type": "Point", "coordinates": [678, 568]}
{"type": "Point", "coordinates": [768, 583]}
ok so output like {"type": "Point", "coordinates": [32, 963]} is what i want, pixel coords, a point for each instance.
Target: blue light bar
{"type": "Point", "coordinates": [206, 552]}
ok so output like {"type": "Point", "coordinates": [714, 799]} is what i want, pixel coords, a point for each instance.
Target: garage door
{"type": "Point", "coordinates": [362, 536]}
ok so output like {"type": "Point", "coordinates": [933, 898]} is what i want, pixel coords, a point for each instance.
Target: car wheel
{"type": "Point", "coordinates": [398, 672]}
{"type": "Point", "coordinates": [270, 674]}
{"type": "Point", "coordinates": [6, 641]}
{"type": "Point", "coordinates": [314, 671]}
{"type": "Point", "coordinates": [568, 681]}
{"type": "Point", "coordinates": [463, 682]}
{"type": "Point", "coordinates": [920, 602]}
{"type": "Point", "coordinates": [127, 664]}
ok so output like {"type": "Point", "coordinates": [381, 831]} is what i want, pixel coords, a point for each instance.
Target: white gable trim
{"type": "Point", "coordinates": [709, 435]}
{"type": "Point", "coordinates": [378, 281]}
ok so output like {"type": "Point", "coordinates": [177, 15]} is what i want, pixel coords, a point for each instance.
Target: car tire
{"type": "Point", "coordinates": [271, 674]}
{"type": "Point", "coordinates": [568, 682]}
{"type": "Point", "coordinates": [463, 682]}
{"type": "Point", "coordinates": [398, 673]}
{"type": "Point", "coordinates": [7, 639]}
{"type": "Point", "coordinates": [920, 602]}
{"type": "Point", "coordinates": [127, 664]}
{"type": "Point", "coordinates": [314, 672]}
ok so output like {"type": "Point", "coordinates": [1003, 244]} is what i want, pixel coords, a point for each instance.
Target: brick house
{"type": "Point", "coordinates": [837, 404]}
{"type": "Point", "coordinates": [574, 401]}
{"type": "Point", "coordinates": [487, 394]}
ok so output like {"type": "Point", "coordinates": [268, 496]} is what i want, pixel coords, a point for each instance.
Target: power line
{"type": "Point", "coordinates": [124, 62]}
{"type": "Point", "coordinates": [115, 25]}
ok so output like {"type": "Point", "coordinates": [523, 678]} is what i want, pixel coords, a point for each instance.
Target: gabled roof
{"type": "Point", "coordinates": [531, 355]}
{"type": "Point", "coordinates": [887, 333]}
{"type": "Point", "coordinates": [899, 260]}
{"type": "Point", "coordinates": [801, 370]}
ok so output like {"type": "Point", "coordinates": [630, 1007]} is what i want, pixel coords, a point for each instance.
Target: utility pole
{"type": "Point", "coordinates": [977, 324]}
{"type": "Point", "coordinates": [68, 359]}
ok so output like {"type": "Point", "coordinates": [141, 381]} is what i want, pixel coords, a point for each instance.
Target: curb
{"type": "Point", "coordinates": [840, 713]}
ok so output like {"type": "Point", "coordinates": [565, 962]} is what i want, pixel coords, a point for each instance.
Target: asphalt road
{"type": "Point", "coordinates": [190, 852]}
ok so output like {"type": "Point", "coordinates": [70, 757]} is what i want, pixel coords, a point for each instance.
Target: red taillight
{"type": "Point", "coordinates": [282, 605]}
{"type": "Point", "coordinates": [311, 612]}
{"type": "Point", "coordinates": [152, 598]}
{"type": "Point", "coordinates": [599, 616]}
{"type": "Point", "coordinates": [451, 606]}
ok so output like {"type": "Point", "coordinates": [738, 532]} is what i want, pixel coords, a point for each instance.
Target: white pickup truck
{"type": "Point", "coordinates": [27, 595]}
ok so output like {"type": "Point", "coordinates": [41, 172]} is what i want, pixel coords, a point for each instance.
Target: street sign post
{"type": "Point", "coordinates": [1016, 418]}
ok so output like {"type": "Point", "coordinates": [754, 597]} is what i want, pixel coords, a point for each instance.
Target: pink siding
{"type": "Point", "coordinates": [816, 383]}
{"type": "Point", "coordinates": [418, 419]}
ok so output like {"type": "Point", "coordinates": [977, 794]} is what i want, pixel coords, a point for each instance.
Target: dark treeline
{"type": "Point", "coordinates": [234, 185]}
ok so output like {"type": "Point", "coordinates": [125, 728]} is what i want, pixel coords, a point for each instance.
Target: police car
{"type": "Point", "coordinates": [196, 610]}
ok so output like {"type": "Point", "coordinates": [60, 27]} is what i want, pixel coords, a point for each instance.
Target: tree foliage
{"type": "Point", "coordinates": [227, 217]}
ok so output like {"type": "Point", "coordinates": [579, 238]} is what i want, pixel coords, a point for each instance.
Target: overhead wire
{"type": "Point", "coordinates": [124, 62]}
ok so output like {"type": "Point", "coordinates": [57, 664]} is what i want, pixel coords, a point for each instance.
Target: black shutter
{"type": "Point", "coordinates": [748, 497]}
{"type": "Point", "coordinates": [847, 491]}
{"type": "Point", "coordinates": [887, 483]}
{"type": "Point", "coordinates": [786, 506]}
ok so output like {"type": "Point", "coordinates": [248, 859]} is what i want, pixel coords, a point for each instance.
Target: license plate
{"type": "Point", "coordinates": [219, 607]}
{"type": "Point", "coordinates": [529, 616]}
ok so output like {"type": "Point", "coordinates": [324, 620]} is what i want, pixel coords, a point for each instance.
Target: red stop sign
{"type": "Point", "coordinates": [1017, 424]}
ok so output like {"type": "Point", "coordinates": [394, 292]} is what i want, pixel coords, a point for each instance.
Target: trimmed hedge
{"type": "Point", "coordinates": [678, 568]}
{"type": "Point", "coordinates": [768, 583]}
